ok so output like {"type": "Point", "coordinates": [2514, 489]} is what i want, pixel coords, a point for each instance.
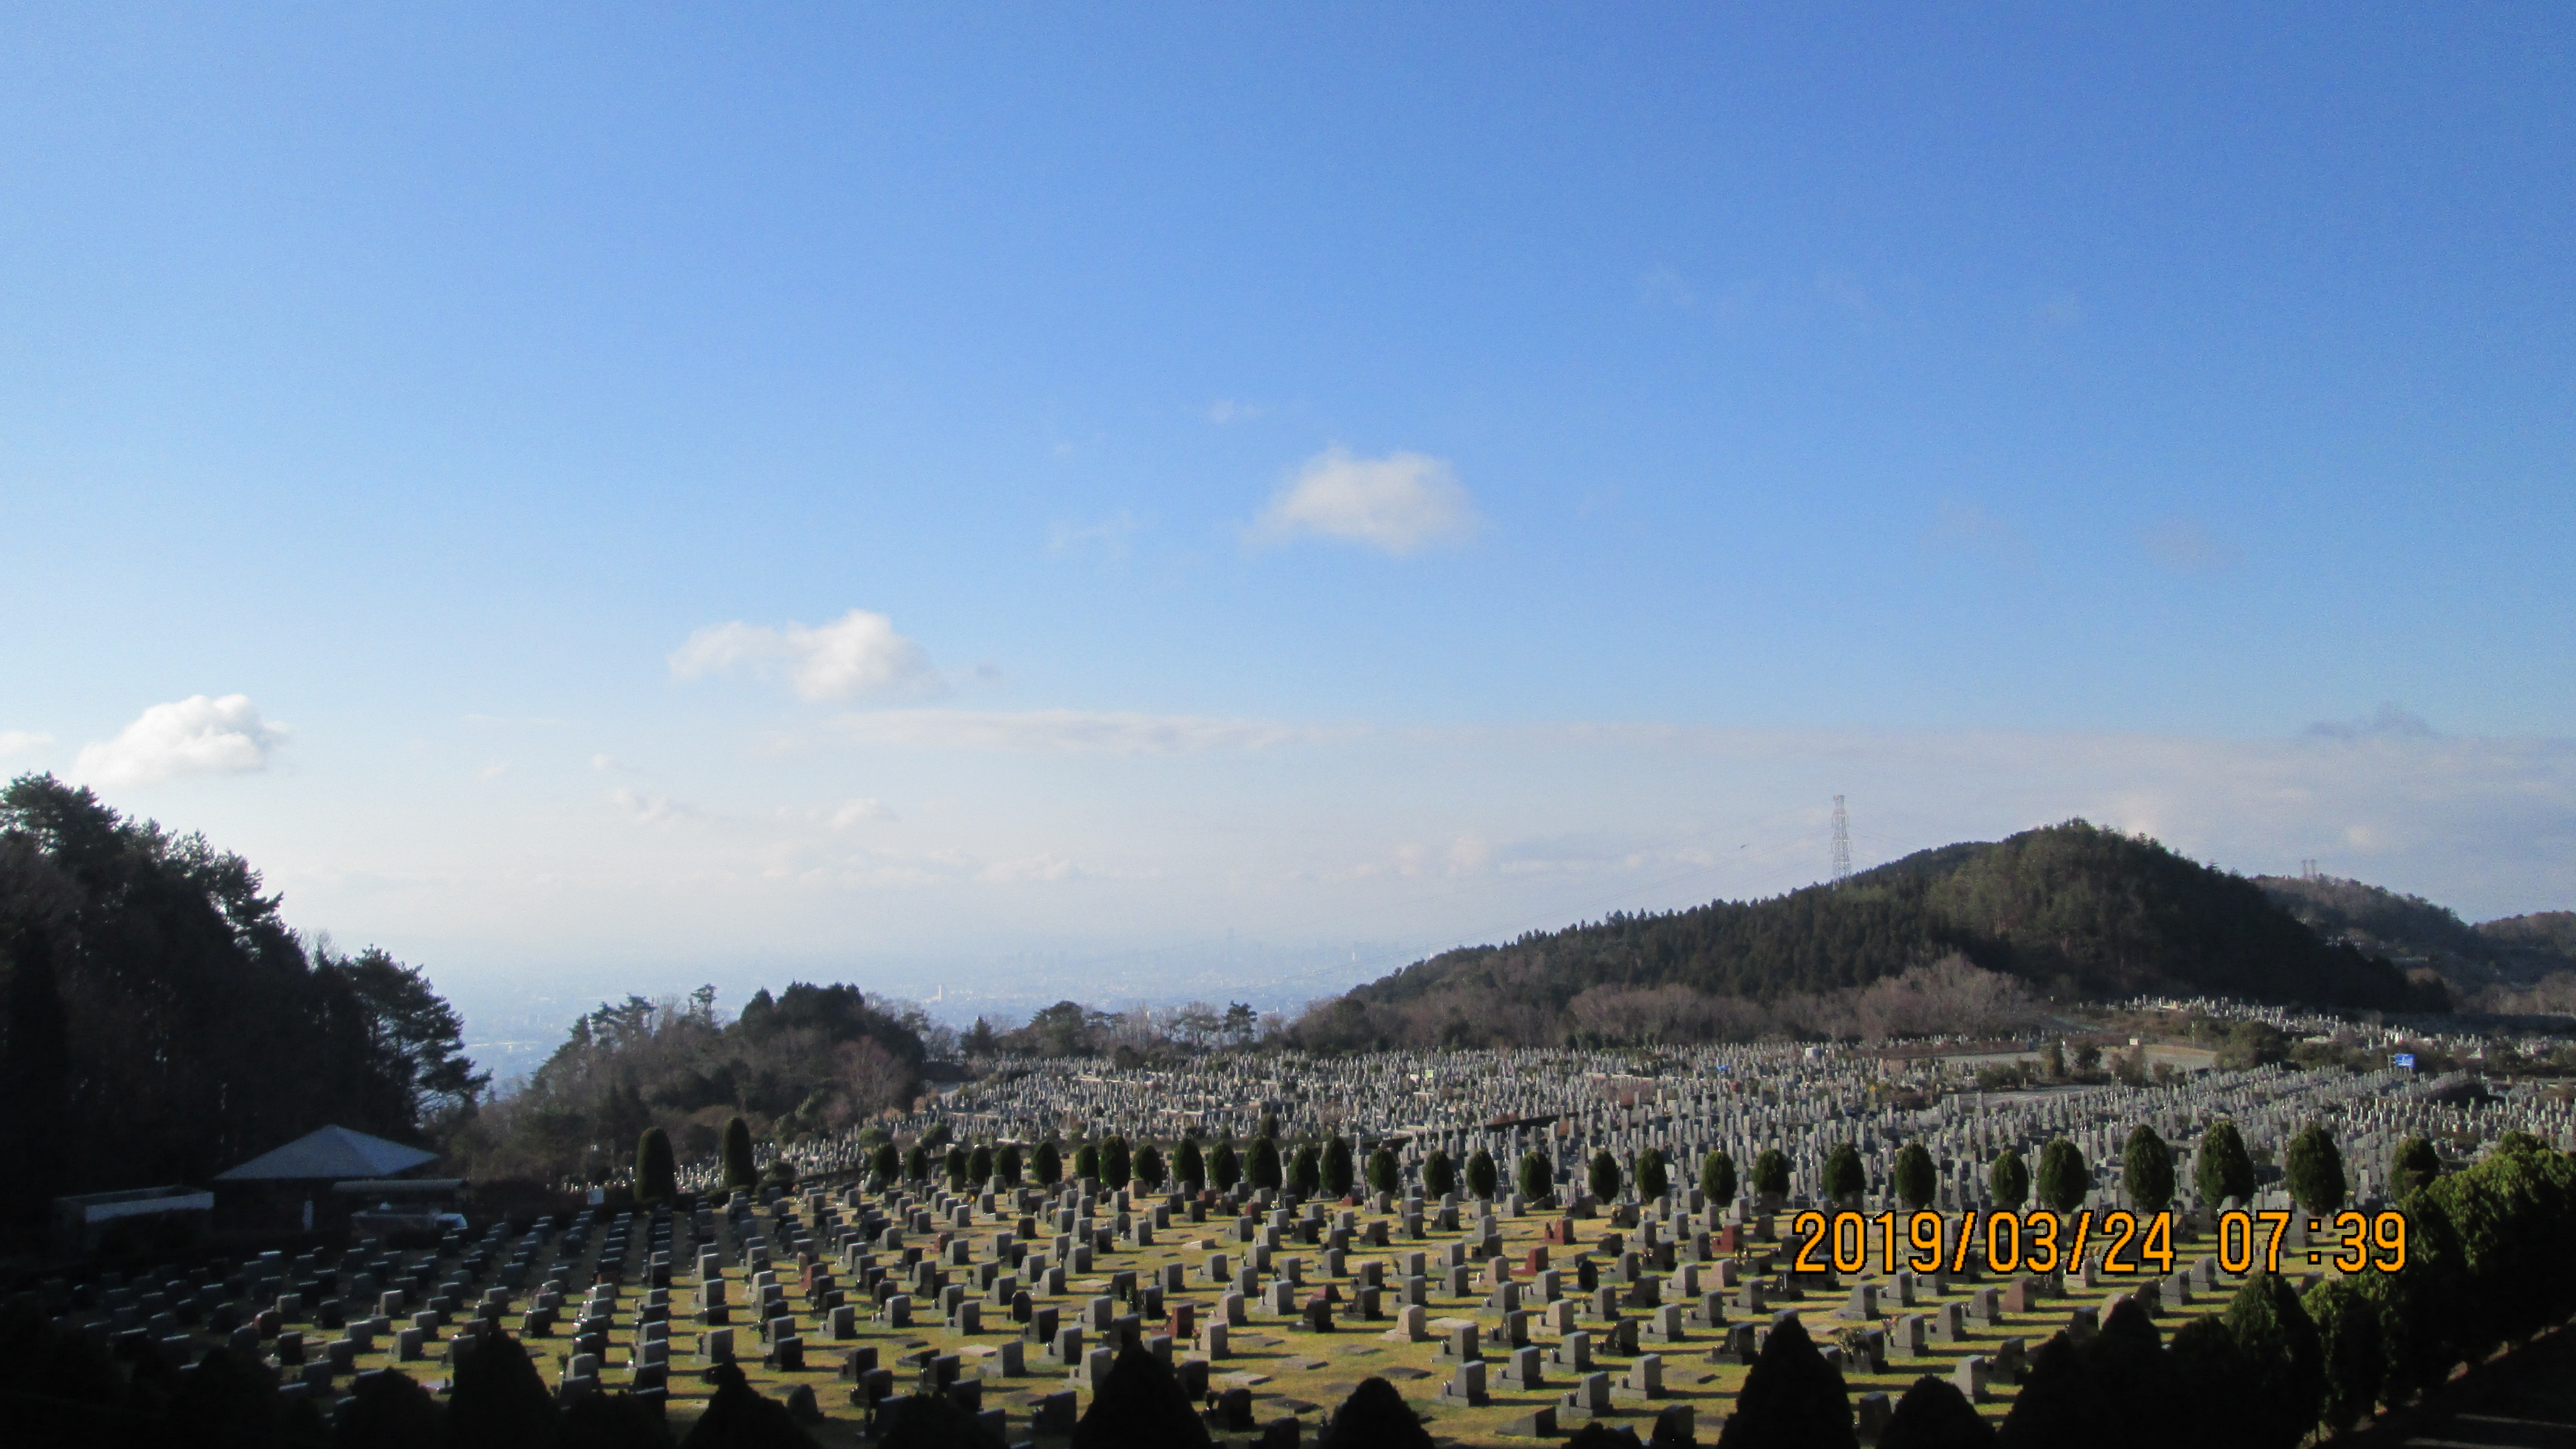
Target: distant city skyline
{"type": "Point", "coordinates": [1035, 505]}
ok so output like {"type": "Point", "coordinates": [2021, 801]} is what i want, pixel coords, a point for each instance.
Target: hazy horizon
{"type": "Point", "coordinates": [1031, 506]}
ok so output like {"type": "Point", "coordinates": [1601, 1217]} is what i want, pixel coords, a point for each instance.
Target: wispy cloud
{"type": "Point", "coordinates": [2390, 721]}
{"type": "Point", "coordinates": [1070, 732]}
{"type": "Point", "coordinates": [1108, 538]}
{"type": "Point", "coordinates": [2186, 546]}
{"type": "Point", "coordinates": [1228, 410]}
{"type": "Point", "coordinates": [22, 742]}
{"type": "Point", "coordinates": [647, 809]}
{"type": "Point", "coordinates": [192, 736]}
{"type": "Point", "coordinates": [856, 654]}
{"type": "Point", "coordinates": [1398, 504]}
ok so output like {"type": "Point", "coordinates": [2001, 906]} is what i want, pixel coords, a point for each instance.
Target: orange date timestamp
{"type": "Point", "coordinates": [2042, 1242]}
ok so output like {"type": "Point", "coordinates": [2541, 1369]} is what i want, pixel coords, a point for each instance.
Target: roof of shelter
{"type": "Point", "coordinates": [329, 1152]}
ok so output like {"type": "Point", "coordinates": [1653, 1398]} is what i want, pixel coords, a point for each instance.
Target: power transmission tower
{"type": "Point", "coordinates": [1842, 842]}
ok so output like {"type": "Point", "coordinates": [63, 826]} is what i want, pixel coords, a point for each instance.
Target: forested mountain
{"type": "Point", "coordinates": [812, 1058]}
{"type": "Point", "coordinates": [2072, 911]}
{"type": "Point", "coordinates": [159, 1022]}
{"type": "Point", "coordinates": [2516, 951]}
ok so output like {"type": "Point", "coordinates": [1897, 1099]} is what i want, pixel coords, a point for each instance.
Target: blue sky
{"type": "Point", "coordinates": [1353, 478]}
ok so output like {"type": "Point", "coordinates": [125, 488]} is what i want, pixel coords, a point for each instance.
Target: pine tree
{"type": "Point", "coordinates": [1050, 1164]}
{"type": "Point", "coordinates": [2009, 1180]}
{"type": "Point", "coordinates": [2414, 1165]}
{"type": "Point", "coordinates": [1717, 1179]}
{"type": "Point", "coordinates": [1792, 1399]}
{"type": "Point", "coordinates": [2062, 1180]}
{"type": "Point", "coordinates": [2288, 1361]}
{"type": "Point", "coordinates": [1385, 1173]}
{"type": "Point", "coordinates": [1917, 1181]}
{"type": "Point", "coordinates": [1603, 1176]}
{"type": "Point", "coordinates": [2146, 1170]}
{"type": "Point", "coordinates": [1227, 1169]}
{"type": "Point", "coordinates": [1653, 1181]}
{"type": "Point", "coordinates": [2314, 1167]}
{"type": "Point", "coordinates": [1148, 1168]}
{"type": "Point", "coordinates": [1006, 1164]}
{"type": "Point", "coordinates": [1114, 1163]}
{"type": "Point", "coordinates": [1771, 1172]}
{"type": "Point", "coordinates": [740, 1173]}
{"type": "Point", "coordinates": [1845, 1178]}
{"type": "Point", "coordinates": [1482, 1179]}
{"type": "Point", "coordinates": [657, 1173]}
{"type": "Point", "coordinates": [1265, 1163]}
{"type": "Point", "coordinates": [2221, 1169]}
{"type": "Point", "coordinates": [1189, 1165]}
{"type": "Point", "coordinates": [979, 1164]}
{"type": "Point", "coordinates": [1935, 1415]}
{"type": "Point", "coordinates": [1340, 1173]}
{"type": "Point", "coordinates": [1439, 1174]}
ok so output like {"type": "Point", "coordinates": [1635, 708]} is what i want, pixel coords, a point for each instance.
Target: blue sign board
{"type": "Point", "coordinates": [2402, 1059]}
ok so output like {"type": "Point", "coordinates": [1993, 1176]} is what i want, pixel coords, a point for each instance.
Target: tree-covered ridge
{"type": "Point", "coordinates": [159, 1021]}
{"type": "Point", "coordinates": [2073, 909]}
{"type": "Point", "coordinates": [812, 1058]}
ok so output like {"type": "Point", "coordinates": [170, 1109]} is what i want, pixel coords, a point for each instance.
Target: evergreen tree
{"type": "Point", "coordinates": [2053, 1409]}
{"type": "Point", "coordinates": [1375, 1416]}
{"type": "Point", "coordinates": [979, 1164]}
{"type": "Point", "coordinates": [496, 1396]}
{"type": "Point", "coordinates": [2146, 1170]}
{"type": "Point", "coordinates": [2288, 1362]}
{"type": "Point", "coordinates": [1269, 1127]}
{"type": "Point", "coordinates": [1653, 1180]}
{"type": "Point", "coordinates": [1717, 1178]}
{"type": "Point", "coordinates": [1227, 1170]}
{"type": "Point", "coordinates": [2221, 1169]}
{"type": "Point", "coordinates": [1385, 1173]}
{"type": "Point", "coordinates": [1845, 1179]}
{"type": "Point", "coordinates": [2355, 1354]}
{"type": "Point", "coordinates": [916, 1164]}
{"type": "Point", "coordinates": [657, 1173]}
{"type": "Point", "coordinates": [1792, 1399]}
{"type": "Point", "coordinates": [1537, 1175]}
{"type": "Point", "coordinates": [953, 1166]}
{"type": "Point", "coordinates": [2062, 1180]}
{"type": "Point", "coordinates": [740, 1173]}
{"type": "Point", "coordinates": [1306, 1169]}
{"type": "Point", "coordinates": [1265, 1163]}
{"type": "Point", "coordinates": [1340, 1173]}
{"type": "Point", "coordinates": [1050, 1164]}
{"type": "Point", "coordinates": [1771, 1172]}
{"type": "Point", "coordinates": [1482, 1180]}
{"type": "Point", "coordinates": [1439, 1174]}
{"type": "Point", "coordinates": [1149, 1167]}
{"type": "Point", "coordinates": [2222, 1412]}
{"type": "Point", "coordinates": [1114, 1164]}
{"type": "Point", "coordinates": [1189, 1165]}
{"type": "Point", "coordinates": [1916, 1180]}
{"type": "Point", "coordinates": [1935, 1415]}
{"type": "Point", "coordinates": [2314, 1168]}
{"type": "Point", "coordinates": [2413, 1165]}
{"type": "Point", "coordinates": [886, 1162]}
{"type": "Point", "coordinates": [1602, 1176]}
{"type": "Point", "coordinates": [2009, 1180]}
{"type": "Point", "coordinates": [1006, 1164]}
{"type": "Point", "coordinates": [1086, 1161]}
{"type": "Point", "coordinates": [1140, 1402]}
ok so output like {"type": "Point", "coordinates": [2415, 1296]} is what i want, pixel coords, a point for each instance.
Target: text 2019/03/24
{"type": "Point", "coordinates": [2041, 1242]}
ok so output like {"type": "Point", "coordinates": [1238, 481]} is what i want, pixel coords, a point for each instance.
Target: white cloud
{"type": "Point", "coordinates": [856, 654]}
{"type": "Point", "coordinates": [1070, 732]}
{"type": "Point", "coordinates": [2188, 547]}
{"type": "Point", "coordinates": [1227, 410]}
{"type": "Point", "coordinates": [21, 742]}
{"type": "Point", "coordinates": [857, 811]}
{"type": "Point", "coordinates": [1109, 536]}
{"type": "Point", "coordinates": [1397, 503]}
{"type": "Point", "coordinates": [493, 771]}
{"type": "Point", "coordinates": [192, 736]}
{"type": "Point", "coordinates": [650, 809]}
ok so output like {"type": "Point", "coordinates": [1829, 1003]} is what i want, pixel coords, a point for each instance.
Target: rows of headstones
{"type": "Point", "coordinates": [2382, 1035]}
{"type": "Point", "coordinates": [1019, 1273]}
{"type": "Point", "coordinates": [1737, 1099]}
